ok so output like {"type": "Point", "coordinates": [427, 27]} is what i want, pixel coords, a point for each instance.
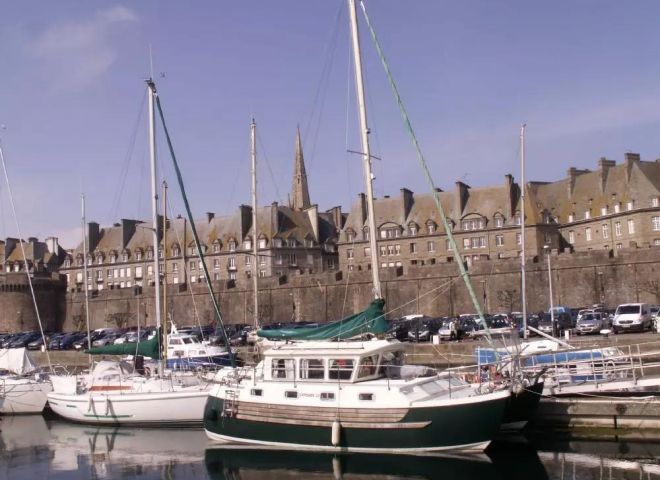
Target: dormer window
{"type": "Point", "coordinates": [176, 251]}
{"type": "Point", "coordinates": [587, 214]}
{"type": "Point", "coordinates": [655, 202]}
{"type": "Point", "coordinates": [516, 219]}
{"type": "Point", "coordinates": [292, 242]}
{"type": "Point", "coordinates": [263, 242]}
{"type": "Point", "coordinates": [499, 221]}
{"type": "Point", "coordinates": [571, 217]}
{"type": "Point", "coordinates": [617, 207]}
{"type": "Point", "coordinates": [309, 243]}
{"type": "Point", "coordinates": [216, 247]}
{"type": "Point", "coordinates": [390, 232]}
{"type": "Point", "coordinates": [430, 227]}
{"type": "Point", "coordinates": [138, 255]}
{"type": "Point", "coordinates": [150, 254]}
{"type": "Point", "coordinates": [124, 257]}
{"type": "Point", "coordinates": [89, 260]}
{"type": "Point", "coordinates": [413, 229]}
{"type": "Point", "coordinates": [232, 245]}
{"type": "Point", "coordinates": [473, 224]}
{"type": "Point", "coordinates": [603, 210]}
{"type": "Point", "coordinates": [365, 233]}
{"type": "Point", "coordinates": [247, 244]}
{"type": "Point", "coordinates": [350, 235]}
{"type": "Point", "coordinates": [67, 262]}
{"type": "Point", "coordinates": [113, 258]}
{"type": "Point", "coordinates": [277, 242]}
{"type": "Point", "coordinates": [630, 205]}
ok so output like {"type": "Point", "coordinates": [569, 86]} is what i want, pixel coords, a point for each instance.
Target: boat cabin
{"type": "Point", "coordinates": [333, 361]}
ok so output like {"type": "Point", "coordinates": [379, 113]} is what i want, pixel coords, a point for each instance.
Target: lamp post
{"type": "Point", "coordinates": [546, 249]}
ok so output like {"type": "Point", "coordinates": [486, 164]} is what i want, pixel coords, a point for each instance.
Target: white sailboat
{"type": "Point", "coordinates": [118, 393]}
{"type": "Point", "coordinates": [354, 395]}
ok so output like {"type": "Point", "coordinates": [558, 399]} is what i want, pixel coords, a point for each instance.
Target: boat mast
{"type": "Point", "coordinates": [85, 271]}
{"type": "Point", "coordinates": [165, 338]}
{"type": "Point", "coordinates": [366, 154]}
{"type": "Point", "coordinates": [151, 90]}
{"type": "Point", "coordinates": [255, 232]}
{"type": "Point", "coordinates": [523, 294]}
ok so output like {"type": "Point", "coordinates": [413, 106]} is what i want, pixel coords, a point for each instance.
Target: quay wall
{"type": "Point", "coordinates": [579, 279]}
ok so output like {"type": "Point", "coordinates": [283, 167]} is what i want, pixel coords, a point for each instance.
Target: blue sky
{"type": "Point", "coordinates": [584, 75]}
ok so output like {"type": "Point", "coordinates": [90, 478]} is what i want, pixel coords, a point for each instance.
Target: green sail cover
{"type": "Point", "coordinates": [371, 320]}
{"type": "Point", "coordinates": [148, 348]}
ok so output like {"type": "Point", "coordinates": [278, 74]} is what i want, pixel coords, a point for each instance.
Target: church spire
{"type": "Point", "coordinates": [299, 190]}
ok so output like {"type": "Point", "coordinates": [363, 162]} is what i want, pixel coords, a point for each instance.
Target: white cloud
{"type": "Point", "coordinates": [78, 52]}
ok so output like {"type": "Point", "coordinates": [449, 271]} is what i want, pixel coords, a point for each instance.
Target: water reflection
{"type": "Point", "coordinates": [35, 447]}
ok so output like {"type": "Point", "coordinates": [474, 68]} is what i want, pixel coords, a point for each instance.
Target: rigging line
{"type": "Point", "coordinates": [270, 170]}
{"type": "Point", "coordinates": [114, 205]}
{"type": "Point", "coordinates": [25, 261]}
{"type": "Point", "coordinates": [349, 77]}
{"type": "Point", "coordinates": [186, 271]}
{"type": "Point", "coordinates": [323, 90]}
{"type": "Point", "coordinates": [444, 286]}
{"type": "Point", "coordinates": [427, 174]}
{"type": "Point", "coordinates": [179, 177]}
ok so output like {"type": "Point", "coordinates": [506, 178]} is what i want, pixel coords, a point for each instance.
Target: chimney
{"type": "Point", "coordinates": [275, 218]}
{"type": "Point", "coordinates": [631, 159]}
{"type": "Point", "coordinates": [245, 212]}
{"type": "Point", "coordinates": [362, 209]}
{"type": "Point", "coordinates": [462, 195]}
{"type": "Point", "coordinates": [337, 217]}
{"type": "Point", "coordinates": [128, 230]}
{"type": "Point", "coordinates": [93, 236]}
{"type": "Point", "coordinates": [53, 245]}
{"type": "Point", "coordinates": [407, 201]}
{"type": "Point", "coordinates": [209, 216]}
{"type": "Point", "coordinates": [511, 193]}
{"type": "Point", "coordinates": [313, 216]}
{"type": "Point", "coordinates": [604, 166]}
{"type": "Point", "coordinates": [572, 174]}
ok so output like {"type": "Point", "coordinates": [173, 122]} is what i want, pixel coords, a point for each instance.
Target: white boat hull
{"type": "Point", "coordinates": [23, 395]}
{"type": "Point", "coordinates": [183, 406]}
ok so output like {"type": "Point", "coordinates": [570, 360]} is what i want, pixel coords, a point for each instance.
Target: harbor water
{"type": "Point", "coordinates": [34, 446]}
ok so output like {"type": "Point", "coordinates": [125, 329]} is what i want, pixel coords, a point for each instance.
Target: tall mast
{"type": "Point", "coordinates": [523, 294]}
{"type": "Point", "coordinates": [85, 271]}
{"type": "Point", "coordinates": [255, 231]}
{"type": "Point", "coordinates": [164, 186]}
{"type": "Point", "coordinates": [364, 132]}
{"type": "Point", "coordinates": [151, 90]}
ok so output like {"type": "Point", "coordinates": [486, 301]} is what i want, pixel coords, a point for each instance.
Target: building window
{"type": "Point", "coordinates": [128, 271]}
{"type": "Point", "coordinates": [571, 217]}
{"type": "Point", "coordinates": [430, 246]}
{"type": "Point", "coordinates": [431, 227]}
{"type": "Point", "coordinates": [176, 251]}
{"type": "Point", "coordinates": [350, 235]}
{"type": "Point", "coordinates": [631, 226]}
{"type": "Point", "coordinates": [390, 232]}
{"type": "Point", "coordinates": [397, 249]}
{"type": "Point", "coordinates": [262, 260]}
{"type": "Point", "coordinates": [293, 259]}
{"type": "Point", "coordinates": [232, 245]}
{"type": "Point", "coordinates": [603, 211]}
{"type": "Point", "coordinates": [67, 263]}
{"type": "Point", "coordinates": [466, 243]}
{"type": "Point", "coordinates": [175, 268]}
{"type": "Point", "coordinates": [367, 251]}
{"type": "Point", "coordinates": [150, 255]}
{"type": "Point", "coordinates": [606, 230]}
{"type": "Point", "coordinates": [499, 222]}
{"type": "Point", "coordinates": [232, 262]}
{"type": "Point", "coordinates": [277, 242]}
{"type": "Point", "coordinates": [587, 214]}
{"type": "Point", "coordinates": [656, 242]}
{"type": "Point", "coordinates": [655, 223]}
{"type": "Point", "coordinates": [617, 229]}
{"type": "Point", "coordinates": [349, 253]}
{"type": "Point", "coordinates": [655, 202]}
{"type": "Point", "coordinates": [571, 237]}
{"type": "Point", "coordinates": [630, 205]}
{"type": "Point", "coordinates": [232, 275]}
{"type": "Point", "coordinates": [216, 263]}
{"type": "Point", "coordinates": [499, 240]}
{"type": "Point", "coordinates": [619, 246]}
{"type": "Point", "coordinates": [247, 244]}
{"type": "Point", "coordinates": [587, 233]}
{"type": "Point", "coordinates": [113, 258]}
{"type": "Point", "coordinates": [518, 239]}
{"type": "Point", "coordinates": [413, 248]}
{"type": "Point", "coordinates": [413, 228]}
{"type": "Point", "coordinates": [263, 243]}
{"type": "Point", "coordinates": [150, 270]}
{"type": "Point", "coordinates": [473, 224]}
{"type": "Point", "coordinates": [617, 207]}
{"type": "Point", "coordinates": [138, 255]}
{"type": "Point", "coordinates": [193, 265]}
{"type": "Point", "coordinates": [516, 219]}
{"type": "Point", "coordinates": [248, 260]}
{"type": "Point", "coordinates": [448, 245]}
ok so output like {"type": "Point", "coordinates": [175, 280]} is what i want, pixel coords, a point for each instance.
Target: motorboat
{"type": "Point", "coordinates": [23, 388]}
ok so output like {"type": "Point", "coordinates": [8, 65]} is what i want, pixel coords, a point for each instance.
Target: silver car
{"type": "Point", "coordinates": [591, 322]}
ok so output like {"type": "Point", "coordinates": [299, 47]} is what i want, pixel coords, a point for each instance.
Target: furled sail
{"type": "Point", "coordinates": [147, 348]}
{"type": "Point", "coordinates": [370, 320]}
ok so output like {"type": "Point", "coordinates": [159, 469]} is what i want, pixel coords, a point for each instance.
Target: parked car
{"type": "Point", "coordinates": [632, 317]}
{"type": "Point", "coordinates": [37, 344]}
{"type": "Point", "coordinates": [9, 338]}
{"type": "Point", "coordinates": [23, 340]}
{"type": "Point", "coordinates": [106, 339]}
{"type": "Point", "coordinates": [54, 341]}
{"type": "Point", "coordinates": [591, 322]}
{"type": "Point", "coordinates": [421, 328]}
{"type": "Point", "coordinates": [398, 330]}
{"type": "Point", "coordinates": [66, 341]}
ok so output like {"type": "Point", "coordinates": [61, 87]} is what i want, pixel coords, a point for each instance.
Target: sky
{"type": "Point", "coordinates": [583, 75]}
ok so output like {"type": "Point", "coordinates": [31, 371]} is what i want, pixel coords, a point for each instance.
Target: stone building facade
{"type": "Point", "coordinates": [617, 206]}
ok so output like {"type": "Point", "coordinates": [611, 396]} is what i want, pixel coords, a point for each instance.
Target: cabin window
{"type": "Point", "coordinates": [175, 341]}
{"type": "Point", "coordinates": [368, 366]}
{"type": "Point", "coordinates": [366, 396]}
{"type": "Point", "coordinates": [341, 369]}
{"type": "Point", "coordinates": [312, 369]}
{"type": "Point", "coordinates": [256, 392]}
{"type": "Point", "coordinates": [291, 394]}
{"type": "Point", "coordinates": [283, 368]}
{"type": "Point", "coordinates": [327, 396]}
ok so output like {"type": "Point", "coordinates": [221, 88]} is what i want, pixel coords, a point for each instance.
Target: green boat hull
{"type": "Point", "coordinates": [469, 426]}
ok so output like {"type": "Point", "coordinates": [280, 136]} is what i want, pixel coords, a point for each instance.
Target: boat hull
{"type": "Point", "coordinates": [23, 395]}
{"type": "Point", "coordinates": [464, 426]}
{"type": "Point", "coordinates": [181, 407]}
{"type": "Point", "coordinates": [521, 408]}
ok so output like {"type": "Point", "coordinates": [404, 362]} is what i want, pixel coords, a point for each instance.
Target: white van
{"type": "Point", "coordinates": [632, 316]}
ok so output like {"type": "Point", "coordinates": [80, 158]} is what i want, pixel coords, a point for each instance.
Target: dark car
{"type": "Point", "coordinates": [66, 342]}
{"type": "Point", "coordinates": [23, 340]}
{"type": "Point", "coordinates": [399, 330]}
{"type": "Point", "coordinates": [37, 344]}
{"type": "Point", "coordinates": [7, 339]}
{"type": "Point", "coordinates": [54, 341]}
{"type": "Point", "coordinates": [421, 329]}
